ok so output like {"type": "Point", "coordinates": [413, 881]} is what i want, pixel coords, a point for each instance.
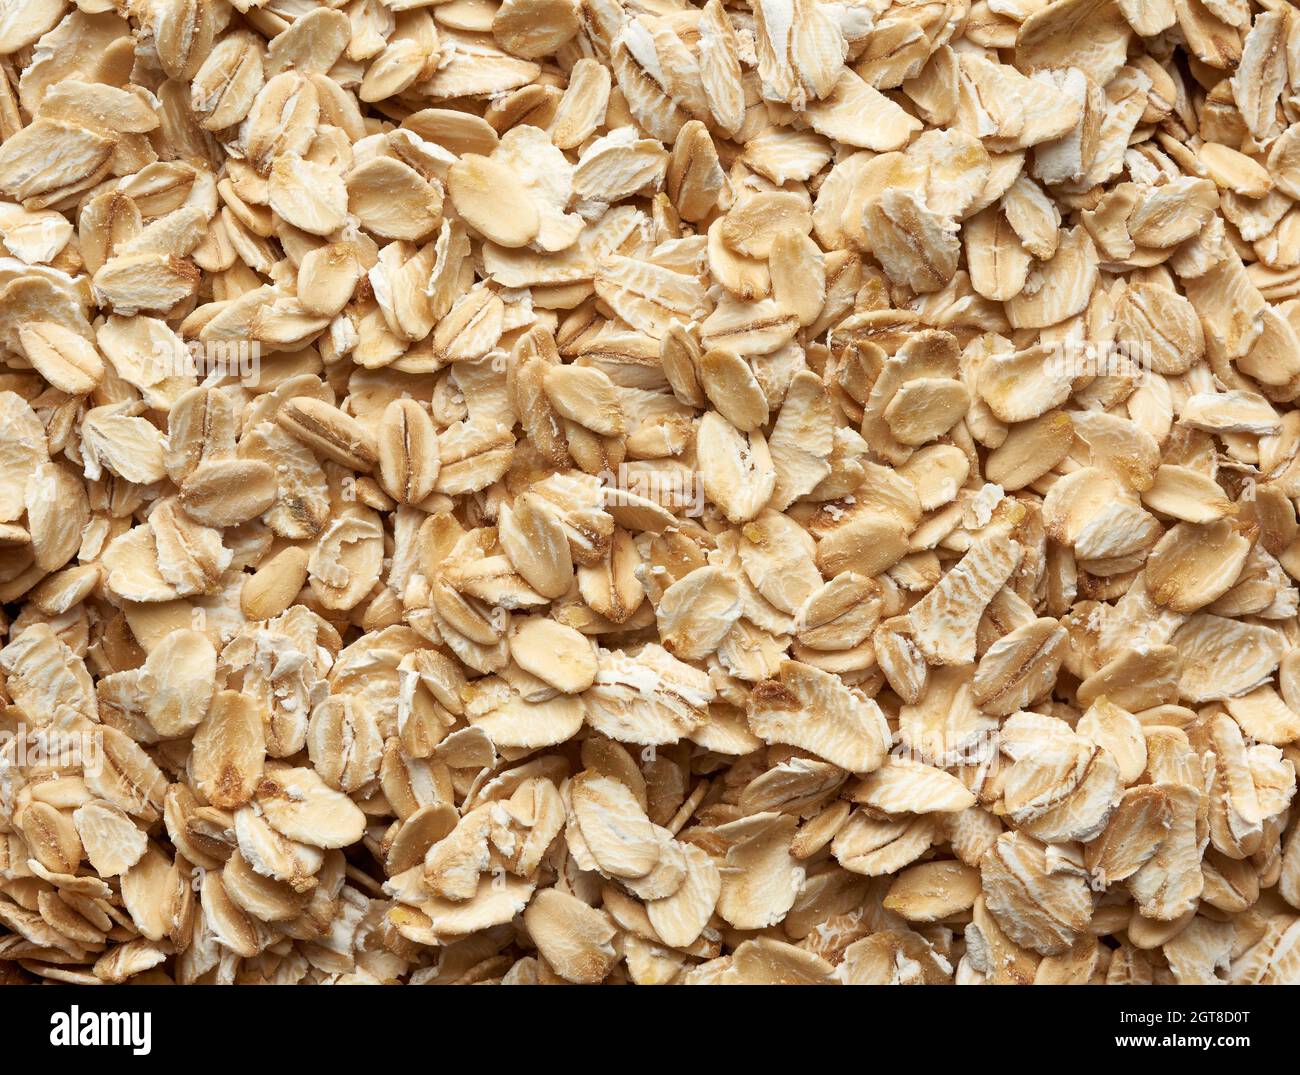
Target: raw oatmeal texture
{"type": "Point", "coordinates": [765, 491]}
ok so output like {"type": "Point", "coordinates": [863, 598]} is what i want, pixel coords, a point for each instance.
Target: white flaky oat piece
{"type": "Point", "coordinates": [943, 623]}
{"type": "Point", "coordinates": [709, 491]}
{"type": "Point", "coordinates": [650, 698]}
{"type": "Point", "coordinates": [805, 707]}
{"type": "Point", "coordinates": [1039, 896]}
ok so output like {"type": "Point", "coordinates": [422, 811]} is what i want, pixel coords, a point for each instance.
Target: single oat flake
{"type": "Point", "coordinates": [649, 491]}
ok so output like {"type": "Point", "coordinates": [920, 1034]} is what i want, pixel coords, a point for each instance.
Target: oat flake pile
{"type": "Point", "coordinates": [768, 491]}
